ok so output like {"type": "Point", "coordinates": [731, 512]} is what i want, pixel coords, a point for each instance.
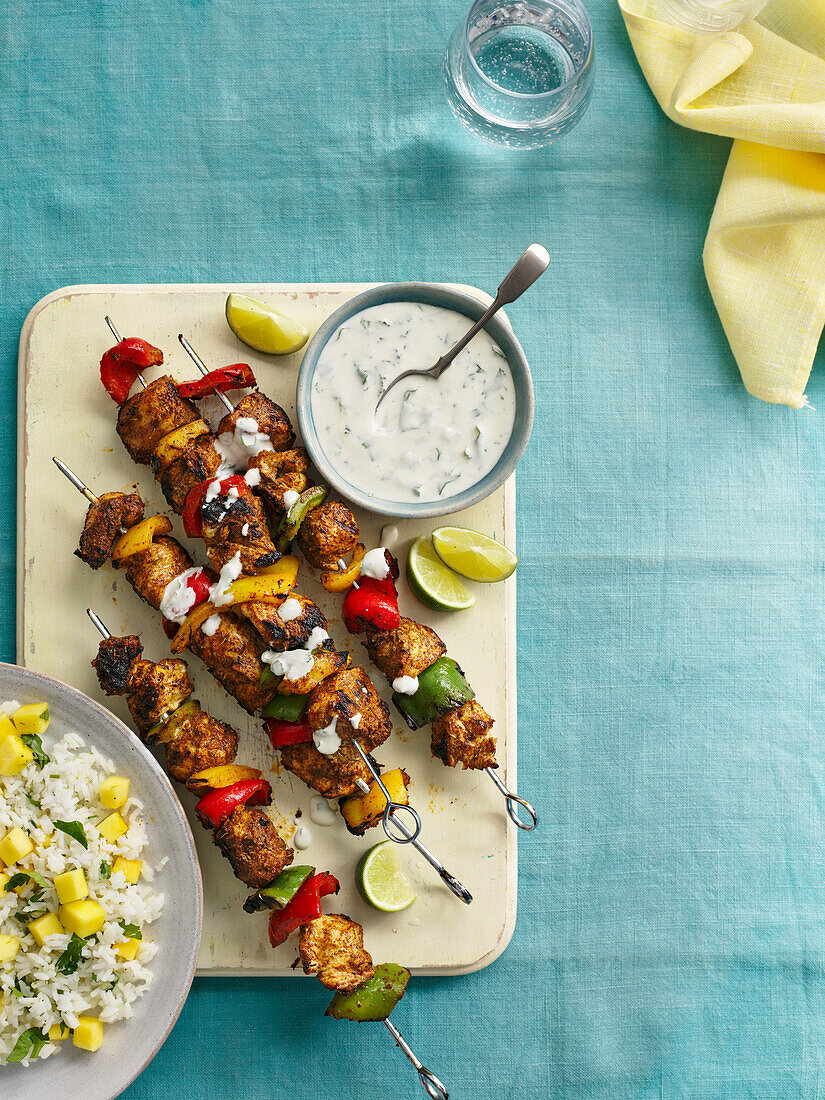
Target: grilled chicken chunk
{"type": "Point", "coordinates": [332, 946]}
{"type": "Point", "coordinates": [331, 776]}
{"type": "Point", "coordinates": [199, 462]}
{"type": "Point", "coordinates": [233, 525]}
{"type": "Point", "coordinates": [156, 689]}
{"type": "Point", "coordinates": [281, 472]}
{"type": "Point", "coordinates": [328, 533]}
{"type": "Point", "coordinates": [116, 657]}
{"type": "Point", "coordinates": [252, 845]}
{"type": "Point", "coordinates": [102, 527]}
{"type": "Point", "coordinates": [150, 414]}
{"type": "Point", "coordinates": [463, 737]}
{"type": "Point", "coordinates": [405, 651]}
{"type": "Point", "coordinates": [233, 655]}
{"type": "Point", "coordinates": [200, 741]}
{"type": "Point", "coordinates": [150, 571]}
{"type": "Point", "coordinates": [289, 633]}
{"type": "Point", "coordinates": [325, 662]}
{"type": "Point", "coordinates": [270, 418]}
{"type": "Point", "coordinates": [341, 698]}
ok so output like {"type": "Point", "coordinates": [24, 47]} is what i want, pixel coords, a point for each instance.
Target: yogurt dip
{"type": "Point", "coordinates": [431, 439]}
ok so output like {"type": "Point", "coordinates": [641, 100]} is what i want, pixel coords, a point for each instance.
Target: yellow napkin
{"type": "Point", "coordinates": [763, 85]}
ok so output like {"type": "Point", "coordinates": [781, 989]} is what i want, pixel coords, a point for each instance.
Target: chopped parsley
{"type": "Point", "coordinates": [70, 959]}
{"type": "Point", "coordinates": [105, 869]}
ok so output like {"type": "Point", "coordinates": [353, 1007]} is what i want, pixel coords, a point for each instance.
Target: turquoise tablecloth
{"type": "Point", "coordinates": [672, 907]}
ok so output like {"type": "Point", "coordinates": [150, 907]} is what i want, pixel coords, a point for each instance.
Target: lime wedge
{"type": "Point", "coordinates": [474, 555]}
{"type": "Point", "coordinates": [432, 583]}
{"type": "Point", "coordinates": [381, 881]}
{"type": "Point", "coordinates": [261, 328]}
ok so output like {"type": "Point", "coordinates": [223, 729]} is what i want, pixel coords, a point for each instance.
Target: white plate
{"type": "Point", "coordinates": [129, 1045]}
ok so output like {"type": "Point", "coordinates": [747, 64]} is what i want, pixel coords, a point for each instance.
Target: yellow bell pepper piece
{"type": "Point", "coordinates": [339, 580]}
{"type": "Point", "coordinates": [9, 946]}
{"type": "Point", "coordinates": [47, 925]}
{"type": "Point", "coordinates": [15, 845]}
{"type": "Point", "coordinates": [112, 827]}
{"type": "Point", "coordinates": [83, 917]}
{"type": "Point", "coordinates": [140, 538]}
{"type": "Point", "coordinates": [114, 790]}
{"type": "Point", "coordinates": [222, 776]}
{"type": "Point", "coordinates": [88, 1035]}
{"type": "Point", "coordinates": [363, 811]}
{"type": "Point", "coordinates": [174, 444]}
{"type": "Point", "coordinates": [71, 886]}
{"type": "Point", "coordinates": [128, 949]}
{"type": "Point", "coordinates": [31, 718]}
{"type": "Point", "coordinates": [129, 868]}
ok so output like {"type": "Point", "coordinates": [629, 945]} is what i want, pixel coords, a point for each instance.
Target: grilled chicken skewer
{"type": "Point", "coordinates": [199, 751]}
{"type": "Point", "coordinates": [345, 699]}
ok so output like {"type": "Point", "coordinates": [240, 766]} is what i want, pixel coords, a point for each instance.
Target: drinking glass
{"type": "Point", "coordinates": [710, 16]}
{"type": "Point", "coordinates": [520, 73]}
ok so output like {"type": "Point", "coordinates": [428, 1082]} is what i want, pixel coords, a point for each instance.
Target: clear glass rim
{"type": "Point", "coordinates": [528, 95]}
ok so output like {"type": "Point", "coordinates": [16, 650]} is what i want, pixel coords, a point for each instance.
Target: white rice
{"type": "Point", "coordinates": [33, 993]}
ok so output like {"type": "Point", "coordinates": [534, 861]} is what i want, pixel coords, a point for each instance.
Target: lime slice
{"type": "Point", "coordinates": [432, 583]}
{"type": "Point", "coordinates": [261, 328]}
{"type": "Point", "coordinates": [474, 555]}
{"type": "Point", "coordinates": [381, 881]}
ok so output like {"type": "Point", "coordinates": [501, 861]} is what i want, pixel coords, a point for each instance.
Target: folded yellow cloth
{"type": "Point", "coordinates": [763, 85]}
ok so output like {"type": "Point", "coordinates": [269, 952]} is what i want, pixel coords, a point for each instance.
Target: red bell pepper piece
{"type": "Point", "coordinates": [170, 629]}
{"type": "Point", "coordinates": [191, 514]}
{"type": "Point", "coordinates": [234, 377]}
{"type": "Point", "coordinates": [200, 585]}
{"type": "Point", "coordinates": [304, 907]}
{"type": "Point", "coordinates": [371, 603]}
{"type": "Point", "coordinates": [217, 805]}
{"type": "Point", "coordinates": [283, 733]}
{"type": "Point", "coordinates": [120, 364]}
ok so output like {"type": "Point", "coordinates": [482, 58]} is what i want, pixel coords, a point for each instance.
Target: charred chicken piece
{"type": "Point", "coordinates": [289, 633]}
{"type": "Point", "coordinates": [328, 533]}
{"type": "Point", "coordinates": [252, 845]}
{"type": "Point", "coordinates": [326, 661]}
{"type": "Point", "coordinates": [405, 651]}
{"type": "Point", "coordinates": [332, 946]}
{"type": "Point", "coordinates": [239, 524]}
{"type": "Point", "coordinates": [270, 418]}
{"type": "Point", "coordinates": [233, 656]}
{"type": "Point", "coordinates": [281, 472]}
{"type": "Point", "coordinates": [150, 571]}
{"type": "Point", "coordinates": [463, 737]}
{"type": "Point", "coordinates": [199, 462]}
{"type": "Point", "coordinates": [150, 414]}
{"type": "Point", "coordinates": [200, 741]}
{"type": "Point", "coordinates": [116, 657]}
{"type": "Point", "coordinates": [157, 689]}
{"type": "Point", "coordinates": [331, 776]}
{"type": "Point", "coordinates": [102, 527]}
{"type": "Point", "coordinates": [343, 696]}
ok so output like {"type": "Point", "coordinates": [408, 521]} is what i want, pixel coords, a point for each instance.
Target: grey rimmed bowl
{"type": "Point", "coordinates": [129, 1045]}
{"type": "Point", "coordinates": [447, 297]}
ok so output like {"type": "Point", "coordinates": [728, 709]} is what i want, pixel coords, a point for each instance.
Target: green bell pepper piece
{"type": "Point", "coordinates": [174, 720]}
{"type": "Point", "coordinates": [441, 688]}
{"type": "Point", "coordinates": [288, 708]}
{"type": "Point", "coordinates": [289, 525]}
{"type": "Point", "coordinates": [372, 1000]}
{"type": "Point", "coordinates": [280, 892]}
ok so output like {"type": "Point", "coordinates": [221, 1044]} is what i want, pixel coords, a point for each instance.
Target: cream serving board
{"type": "Point", "coordinates": [64, 411]}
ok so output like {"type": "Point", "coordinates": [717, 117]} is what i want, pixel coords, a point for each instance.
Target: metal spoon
{"type": "Point", "coordinates": [522, 275]}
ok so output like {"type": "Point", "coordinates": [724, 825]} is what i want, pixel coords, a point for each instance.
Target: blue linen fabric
{"type": "Point", "coordinates": [671, 907]}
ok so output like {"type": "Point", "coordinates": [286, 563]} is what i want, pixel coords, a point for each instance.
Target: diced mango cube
{"type": "Point", "coordinates": [130, 868]}
{"type": "Point", "coordinates": [83, 917]}
{"type": "Point", "coordinates": [6, 726]}
{"type": "Point", "coordinates": [57, 1032]}
{"type": "Point", "coordinates": [14, 755]}
{"type": "Point", "coordinates": [128, 949]}
{"type": "Point", "coordinates": [15, 845]}
{"type": "Point", "coordinates": [114, 791]}
{"type": "Point", "coordinates": [112, 827]}
{"type": "Point", "coordinates": [88, 1035]}
{"type": "Point", "coordinates": [4, 878]}
{"type": "Point", "coordinates": [47, 925]}
{"type": "Point", "coordinates": [9, 946]}
{"type": "Point", "coordinates": [31, 718]}
{"type": "Point", "coordinates": [71, 886]}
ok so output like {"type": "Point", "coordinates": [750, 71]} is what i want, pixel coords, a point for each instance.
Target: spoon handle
{"type": "Point", "coordinates": [524, 272]}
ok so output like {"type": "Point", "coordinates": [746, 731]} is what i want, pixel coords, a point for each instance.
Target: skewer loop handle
{"type": "Point", "coordinates": [513, 803]}
{"type": "Point", "coordinates": [392, 814]}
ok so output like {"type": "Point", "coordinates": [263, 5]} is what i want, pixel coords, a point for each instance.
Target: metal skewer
{"type": "Point", "coordinates": [116, 335]}
{"type": "Point", "coordinates": [513, 802]}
